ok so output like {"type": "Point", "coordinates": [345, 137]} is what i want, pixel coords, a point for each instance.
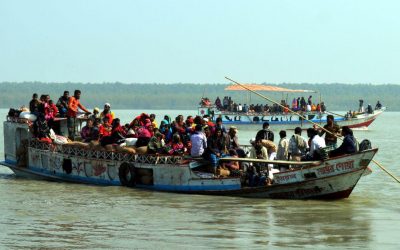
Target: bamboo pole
{"type": "Point", "coordinates": [295, 113]}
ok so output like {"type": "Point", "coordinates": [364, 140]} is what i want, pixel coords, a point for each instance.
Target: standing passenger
{"type": "Point", "coordinates": [34, 104]}
{"type": "Point", "coordinates": [265, 133]}
{"type": "Point", "coordinates": [333, 132]}
{"type": "Point", "coordinates": [297, 146]}
{"type": "Point", "coordinates": [73, 106]}
{"type": "Point", "coordinates": [62, 104]}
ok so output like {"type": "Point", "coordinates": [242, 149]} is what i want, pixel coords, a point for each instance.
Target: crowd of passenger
{"type": "Point", "coordinates": [195, 136]}
{"type": "Point", "coordinates": [298, 104]}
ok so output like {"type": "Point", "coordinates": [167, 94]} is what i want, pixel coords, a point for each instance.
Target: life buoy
{"type": "Point", "coordinates": [126, 174]}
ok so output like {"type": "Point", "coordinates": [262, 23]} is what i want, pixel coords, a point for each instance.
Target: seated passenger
{"type": "Point", "coordinates": [107, 113]}
{"type": "Point", "coordinates": [175, 147]}
{"type": "Point", "coordinates": [105, 128]}
{"type": "Point", "coordinates": [215, 148]}
{"type": "Point", "coordinates": [231, 165]}
{"type": "Point", "coordinates": [348, 145]}
{"type": "Point", "coordinates": [199, 142]}
{"type": "Point", "coordinates": [144, 134]}
{"type": "Point", "coordinates": [87, 130]}
{"type": "Point", "coordinates": [317, 142]}
{"type": "Point", "coordinates": [117, 135]}
{"type": "Point", "coordinates": [232, 141]}
{"type": "Point", "coordinates": [156, 143]}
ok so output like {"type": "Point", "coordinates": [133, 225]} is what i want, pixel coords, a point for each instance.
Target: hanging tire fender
{"type": "Point", "coordinates": [126, 174]}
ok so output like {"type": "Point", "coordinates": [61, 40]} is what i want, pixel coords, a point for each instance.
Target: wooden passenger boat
{"type": "Point", "coordinates": [289, 121]}
{"type": "Point", "coordinates": [333, 178]}
{"type": "Point", "coordinates": [285, 120]}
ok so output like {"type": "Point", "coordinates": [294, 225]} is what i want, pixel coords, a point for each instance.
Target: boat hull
{"type": "Point", "coordinates": [332, 179]}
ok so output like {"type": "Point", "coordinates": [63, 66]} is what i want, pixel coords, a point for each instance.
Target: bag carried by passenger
{"type": "Point", "coordinates": [364, 145]}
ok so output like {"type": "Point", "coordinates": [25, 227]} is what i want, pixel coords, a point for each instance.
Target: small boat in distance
{"type": "Point", "coordinates": [233, 113]}
{"type": "Point", "coordinates": [332, 178]}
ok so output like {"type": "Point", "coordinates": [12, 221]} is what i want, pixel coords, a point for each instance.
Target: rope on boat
{"type": "Point", "coordinates": [293, 112]}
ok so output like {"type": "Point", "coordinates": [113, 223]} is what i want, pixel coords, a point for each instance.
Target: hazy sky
{"type": "Point", "coordinates": [200, 41]}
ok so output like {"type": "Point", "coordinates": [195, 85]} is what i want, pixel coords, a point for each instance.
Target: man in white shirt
{"type": "Point", "coordinates": [199, 142]}
{"type": "Point", "coordinates": [317, 142]}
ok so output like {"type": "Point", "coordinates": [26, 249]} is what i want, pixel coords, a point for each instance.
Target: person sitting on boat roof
{"type": "Point", "coordinates": [175, 146]}
{"type": "Point", "coordinates": [166, 130]}
{"type": "Point", "coordinates": [117, 135]}
{"type": "Point", "coordinates": [189, 124]}
{"type": "Point", "coordinates": [156, 143]}
{"type": "Point", "coordinates": [333, 131]}
{"type": "Point", "coordinates": [144, 134]}
{"type": "Point", "coordinates": [153, 120]}
{"type": "Point", "coordinates": [62, 103]}
{"type": "Point", "coordinates": [215, 148]}
{"type": "Point", "coordinates": [297, 146]}
{"type": "Point", "coordinates": [265, 133]}
{"type": "Point", "coordinates": [205, 102]}
{"type": "Point", "coordinates": [313, 107]}
{"type": "Point", "coordinates": [316, 144]}
{"type": "Point", "coordinates": [199, 142]}
{"type": "Point", "coordinates": [105, 128]}
{"type": "Point", "coordinates": [95, 114]}
{"type": "Point", "coordinates": [107, 112]}
{"type": "Point", "coordinates": [87, 132]}
{"type": "Point", "coordinates": [349, 144]}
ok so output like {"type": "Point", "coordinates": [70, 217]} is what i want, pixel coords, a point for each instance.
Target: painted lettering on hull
{"type": "Point", "coordinates": [284, 178]}
{"type": "Point", "coordinates": [299, 193]}
{"type": "Point", "coordinates": [327, 169]}
{"type": "Point", "coordinates": [345, 166]}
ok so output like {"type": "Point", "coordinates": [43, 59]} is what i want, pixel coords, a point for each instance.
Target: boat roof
{"type": "Point", "coordinates": [263, 87]}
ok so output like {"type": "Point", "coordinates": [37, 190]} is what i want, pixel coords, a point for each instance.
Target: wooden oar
{"type": "Point", "coordinates": [334, 113]}
{"type": "Point", "coordinates": [386, 171]}
{"type": "Point", "coordinates": [293, 112]}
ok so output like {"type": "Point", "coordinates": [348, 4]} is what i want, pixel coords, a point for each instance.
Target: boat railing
{"type": "Point", "coordinates": [72, 150]}
{"type": "Point", "coordinates": [225, 112]}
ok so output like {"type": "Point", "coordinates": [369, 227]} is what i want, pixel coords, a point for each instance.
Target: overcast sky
{"type": "Point", "coordinates": [200, 41]}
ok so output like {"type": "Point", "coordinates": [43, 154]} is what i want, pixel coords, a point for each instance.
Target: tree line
{"type": "Point", "coordinates": [337, 96]}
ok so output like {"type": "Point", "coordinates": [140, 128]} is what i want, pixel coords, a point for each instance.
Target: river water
{"type": "Point", "coordinates": [40, 214]}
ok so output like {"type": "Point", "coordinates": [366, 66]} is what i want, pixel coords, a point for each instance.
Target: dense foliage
{"type": "Point", "coordinates": [187, 96]}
